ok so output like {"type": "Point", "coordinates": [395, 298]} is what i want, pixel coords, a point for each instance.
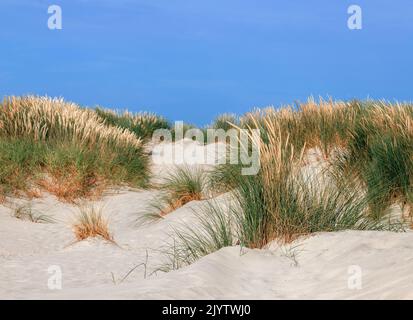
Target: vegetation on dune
{"type": "Point", "coordinates": [225, 121]}
{"type": "Point", "coordinates": [214, 229]}
{"type": "Point", "coordinates": [366, 166]}
{"type": "Point", "coordinates": [283, 203]}
{"type": "Point", "coordinates": [380, 153]}
{"type": "Point", "coordinates": [64, 149]}
{"type": "Point", "coordinates": [189, 131]}
{"type": "Point", "coordinates": [90, 223]}
{"type": "Point", "coordinates": [142, 124]}
{"type": "Point", "coordinates": [368, 141]}
{"type": "Point", "coordinates": [224, 177]}
{"type": "Point", "coordinates": [181, 186]}
{"type": "Point", "coordinates": [25, 212]}
{"type": "Point", "coordinates": [46, 119]}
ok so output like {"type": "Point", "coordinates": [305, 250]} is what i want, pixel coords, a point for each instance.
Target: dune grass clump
{"type": "Point", "coordinates": [185, 129]}
{"type": "Point", "coordinates": [223, 178]}
{"type": "Point", "coordinates": [181, 186]}
{"type": "Point", "coordinates": [380, 153]}
{"type": "Point", "coordinates": [225, 121]}
{"type": "Point", "coordinates": [368, 140]}
{"type": "Point", "coordinates": [282, 203]}
{"type": "Point", "coordinates": [20, 160]}
{"type": "Point", "coordinates": [90, 223]}
{"type": "Point", "coordinates": [214, 228]}
{"type": "Point", "coordinates": [64, 149]}
{"type": "Point", "coordinates": [142, 124]}
{"type": "Point", "coordinates": [324, 125]}
{"type": "Point", "coordinates": [25, 212]}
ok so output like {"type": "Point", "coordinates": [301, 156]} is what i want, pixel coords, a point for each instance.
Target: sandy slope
{"type": "Point", "coordinates": [315, 267]}
{"type": "Point", "coordinates": [319, 271]}
{"type": "Point", "coordinates": [28, 249]}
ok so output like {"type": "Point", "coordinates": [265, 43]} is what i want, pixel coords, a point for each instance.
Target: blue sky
{"type": "Point", "coordinates": [191, 60]}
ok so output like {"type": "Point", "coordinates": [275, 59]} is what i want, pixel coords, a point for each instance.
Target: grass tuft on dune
{"type": "Point", "coordinates": [142, 124]}
{"type": "Point", "coordinates": [181, 186]}
{"type": "Point", "coordinates": [64, 149]}
{"type": "Point", "coordinates": [90, 223]}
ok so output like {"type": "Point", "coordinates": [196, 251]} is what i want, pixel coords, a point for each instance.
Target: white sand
{"type": "Point", "coordinates": [187, 154]}
{"type": "Point", "coordinates": [316, 267]}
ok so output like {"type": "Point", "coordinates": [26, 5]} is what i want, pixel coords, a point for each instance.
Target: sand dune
{"type": "Point", "coordinates": [321, 266]}
{"type": "Point", "coordinates": [316, 267]}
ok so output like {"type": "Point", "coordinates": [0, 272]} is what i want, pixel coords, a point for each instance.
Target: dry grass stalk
{"type": "Point", "coordinates": [91, 223]}
{"type": "Point", "coordinates": [43, 118]}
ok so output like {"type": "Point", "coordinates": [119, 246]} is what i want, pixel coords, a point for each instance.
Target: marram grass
{"type": "Point", "coordinates": [367, 166]}
{"type": "Point", "coordinates": [43, 118]}
{"type": "Point", "coordinates": [142, 124]}
{"type": "Point", "coordinates": [181, 186]}
{"type": "Point", "coordinates": [90, 223]}
{"type": "Point", "coordinates": [64, 149]}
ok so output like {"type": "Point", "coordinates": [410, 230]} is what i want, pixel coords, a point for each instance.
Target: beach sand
{"type": "Point", "coordinates": [337, 265]}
